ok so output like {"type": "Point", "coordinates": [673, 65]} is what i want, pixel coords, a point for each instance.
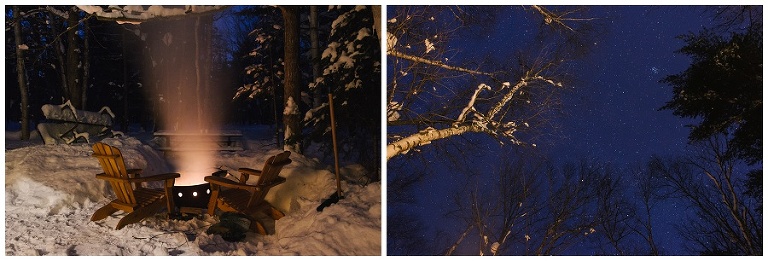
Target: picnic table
{"type": "Point", "coordinates": [227, 140]}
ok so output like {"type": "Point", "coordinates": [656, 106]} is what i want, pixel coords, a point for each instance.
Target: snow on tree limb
{"type": "Point", "coordinates": [434, 63]}
{"type": "Point", "coordinates": [57, 12]}
{"type": "Point", "coordinates": [136, 14]}
{"type": "Point", "coordinates": [522, 83]}
{"type": "Point", "coordinates": [425, 137]}
{"type": "Point", "coordinates": [471, 105]}
{"type": "Point", "coordinates": [507, 97]}
{"type": "Point", "coordinates": [480, 124]}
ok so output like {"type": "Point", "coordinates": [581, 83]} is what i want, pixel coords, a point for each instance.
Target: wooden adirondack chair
{"type": "Point", "coordinates": [248, 199]}
{"type": "Point", "coordinates": [132, 197]}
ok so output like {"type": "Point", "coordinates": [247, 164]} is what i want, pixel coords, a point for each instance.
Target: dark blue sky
{"type": "Point", "coordinates": [611, 113]}
{"type": "Point", "coordinates": [614, 114]}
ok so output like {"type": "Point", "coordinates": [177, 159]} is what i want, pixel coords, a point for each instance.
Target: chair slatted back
{"type": "Point", "coordinates": [112, 163]}
{"type": "Point", "coordinates": [271, 169]}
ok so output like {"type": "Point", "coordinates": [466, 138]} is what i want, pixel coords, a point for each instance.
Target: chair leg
{"type": "Point", "coordinates": [275, 213]}
{"type": "Point", "coordinates": [140, 213]}
{"type": "Point", "coordinates": [103, 212]}
{"type": "Point", "coordinates": [257, 227]}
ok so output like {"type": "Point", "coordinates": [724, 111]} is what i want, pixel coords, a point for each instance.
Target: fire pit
{"type": "Point", "coordinates": [193, 198]}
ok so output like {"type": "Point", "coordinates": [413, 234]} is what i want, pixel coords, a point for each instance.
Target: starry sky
{"type": "Point", "coordinates": [615, 112]}
{"type": "Point", "coordinates": [612, 112]}
{"type": "Point", "coordinates": [616, 115]}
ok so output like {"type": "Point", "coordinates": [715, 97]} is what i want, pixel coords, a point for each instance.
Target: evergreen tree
{"type": "Point", "coordinates": [723, 87]}
{"type": "Point", "coordinates": [261, 57]}
{"type": "Point", "coordinates": [351, 72]}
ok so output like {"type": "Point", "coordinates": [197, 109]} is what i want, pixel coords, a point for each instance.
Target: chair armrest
{"type": "Point", "coordinates": [159, 177]}
{"type": "Point", "coordinates": [135, 173]}
{"type": "Point", "coordinates": [250, 171]}
{"type": "Point", "coordinates": [229, 183]}
{"type": "Point", "coordinates": [277, 181]}
{"type": "Point", "coordinates": [246, 173]}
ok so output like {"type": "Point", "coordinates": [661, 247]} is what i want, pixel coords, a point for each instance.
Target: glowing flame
{"type": "Point", "coordinates": [193, 166]}
{"type": "Point", "coordinates": [188, 102]}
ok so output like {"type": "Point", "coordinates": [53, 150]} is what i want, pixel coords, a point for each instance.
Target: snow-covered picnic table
{"type": "Point", "coordinates": [65, 124]}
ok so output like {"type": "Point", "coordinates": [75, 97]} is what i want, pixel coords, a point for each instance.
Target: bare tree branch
{"type": "Point", "coordinates": [484, 123]}
{"type": "Point", "coordinates": [551, 17]}
{"type": "Point", "coordinates": [440, 64]}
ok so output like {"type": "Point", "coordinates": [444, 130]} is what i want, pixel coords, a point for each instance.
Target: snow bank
{"type": "Point", "coordinates": [52, 178]}
{"type": "Point", "coordinates": [51, 192]}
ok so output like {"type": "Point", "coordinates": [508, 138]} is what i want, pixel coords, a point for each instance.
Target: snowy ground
{"type": "Point", "coordinates": [51, 192]}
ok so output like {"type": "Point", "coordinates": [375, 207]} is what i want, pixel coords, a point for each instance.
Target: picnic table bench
{"type": "Point", "coordinates": [229, 140]}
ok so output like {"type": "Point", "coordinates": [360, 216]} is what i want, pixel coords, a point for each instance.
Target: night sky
{"type": "Point", "coordinates": [615, 114]}
{"type": "Point", "coordinates": [611, 113]}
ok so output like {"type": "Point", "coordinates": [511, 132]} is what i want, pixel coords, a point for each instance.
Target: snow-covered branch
{"type": "Point", "coordinates": [440, 64]}
{"type": "Point", "coordinates": [484, 123]}
{"type": "Point", "coordinates": [135, 14]}
{"type": "Point", "coordinates": [459, 127]}
{"type": "Point", "coordinates": [522, 83]}
{"type": "Point", "coordinates": [57, 12]}
{"type": "Point", "coordinates": [471, 104]}
{"type": "Point", "coordinates": [425, 137]}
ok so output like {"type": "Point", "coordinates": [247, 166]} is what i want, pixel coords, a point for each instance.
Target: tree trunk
{"type": "Point", "coordinates": [86, 65]}
{"type": "Point", "coordinates": [274, 94]}
{"type": "Point", "coordinates": [20, 74]}
{"type": "Point", "coordinates": [291, 114]}
{"type": "Point", "coordinates": [315, 53]}
{"type": "Point", "coordinates": [73, 60]}
{"type": "Point", "coordinates": [124, 123]}
{"type": "Point", "coordinates": [377, 20]}
{"type": "Point", "coordinates": [58, 50]}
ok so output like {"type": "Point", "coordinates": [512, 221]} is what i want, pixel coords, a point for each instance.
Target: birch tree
{"type": "Point", "coordinates": [445, 107]}
{"type": "Point", "coordinates": [430, 97]}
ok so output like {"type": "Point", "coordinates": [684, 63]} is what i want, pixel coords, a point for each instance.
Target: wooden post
{"type": "Point", "coordinates": [335, 148]}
